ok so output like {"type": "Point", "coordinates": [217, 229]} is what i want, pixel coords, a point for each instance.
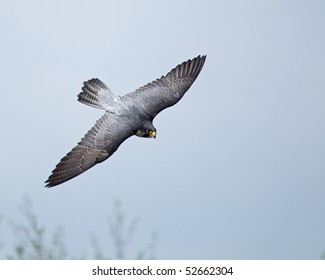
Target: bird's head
{"type": "Point", "coordinates": [147, 131]}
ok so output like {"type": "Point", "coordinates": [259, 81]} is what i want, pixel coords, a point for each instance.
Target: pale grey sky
{"type": "Point", "coordinates": [237, 169]}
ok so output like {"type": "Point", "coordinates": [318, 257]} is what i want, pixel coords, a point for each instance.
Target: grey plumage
{"type": "Point", "coordinates": [131, 114]}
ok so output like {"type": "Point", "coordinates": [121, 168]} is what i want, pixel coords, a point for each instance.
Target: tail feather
{"type": "Point", "coordinates": [96, 94]}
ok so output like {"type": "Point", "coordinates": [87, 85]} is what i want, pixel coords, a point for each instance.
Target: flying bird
{"type": "Point", "coordinates": [131, 114]}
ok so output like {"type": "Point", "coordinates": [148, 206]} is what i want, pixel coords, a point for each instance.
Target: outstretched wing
{"type": "Point", "coordinates": [167, 90]}
{"type": "Point", "coordinates": [99, 143]}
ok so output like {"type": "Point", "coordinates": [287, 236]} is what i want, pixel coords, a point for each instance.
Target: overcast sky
{"type": "Point", "coordinates": [237, 169]}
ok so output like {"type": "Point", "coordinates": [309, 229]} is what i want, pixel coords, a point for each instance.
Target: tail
{"type": "Point", "coordinates": [96, 94]}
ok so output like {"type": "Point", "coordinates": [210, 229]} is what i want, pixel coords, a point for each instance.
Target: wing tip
{"type": "Point", "coordinates": [52, 182]}
{"type": "Point", "coordinates": [77, 161]}
{"type": "Point", "coordinates": [191, 67]}
{"type": "Point", "coordinates": [200, 59]}
{"type": "Point", "coordinates": [49, 183]}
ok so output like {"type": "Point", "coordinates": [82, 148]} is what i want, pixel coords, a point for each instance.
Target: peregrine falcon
{"type": "Point", "coordinates": [131, 114]}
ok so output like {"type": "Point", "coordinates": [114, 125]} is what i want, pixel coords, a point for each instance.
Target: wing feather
{"type": "Point", "coordinates": [167, 90]}
{"type": "Point", "coordinates": [99, 143]}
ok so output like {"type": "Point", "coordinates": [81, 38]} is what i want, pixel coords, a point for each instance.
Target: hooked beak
{"type": "Point", "coordinates": [152, 134]}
